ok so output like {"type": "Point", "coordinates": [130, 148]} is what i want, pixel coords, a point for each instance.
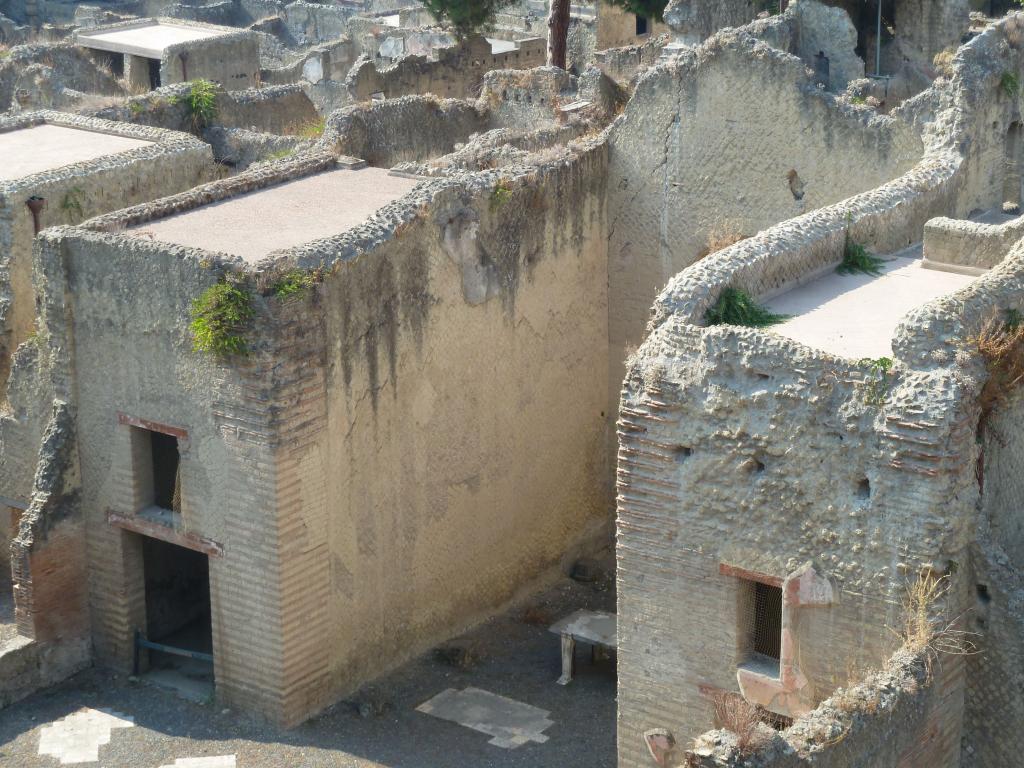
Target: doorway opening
{"type": "Point", "coordinates": [1011, 169]}
{"type": "Point", "coordinates": [178, 631]}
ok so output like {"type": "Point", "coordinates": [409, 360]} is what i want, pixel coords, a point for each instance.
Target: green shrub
{"type": "Point", "coordinates": [876, 383]}
{"type": "Point", "coordinates": [314, 129]}
{"type": "Point", "coordinates": [1009, 83]}
{"type": "Point", "coordinates": [856, 259]}
{"type": "Point", "coordinates": [734, 307]}
{"type": "Point", "coordinates": [502, 194]}
{"type": "Point", "coordinates": [219, 317]}
{"type": "Point", "coordinates": [293, 283]}
{"type": "Point", "coordinates": [201, 102]}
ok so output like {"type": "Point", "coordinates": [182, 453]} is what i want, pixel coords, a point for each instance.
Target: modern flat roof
{"type": "Point", "coordinates": [283, 216]}
{"type": "Point", "coordinates": [502, 46]}
{"type": "Point", "coordinates": [38, 148]}
{"type": "Point", "coordinates": [149, 39]}
{"type": "Point", "coordinates": [855, 316]}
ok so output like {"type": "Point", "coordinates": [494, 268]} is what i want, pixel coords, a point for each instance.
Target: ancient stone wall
{"type": "Point", "coordinates": [716, 488]}
{"type": "Point", "coordinates": [38, 75]}
{"type": "Point", "coordinates": [720, 143]}
{"type": "Point", "coordinates": [508, 271]}
{"type": "Point", "coordinates": [457, 73]}
{"type": "Point", "coordinates": [695, 20]}
{"type": "Point", "coordinates": [897, 717]}
{"type": "Point", "coordinates": [173, 162]}
{"type": "Point", "coordinates": [413, 128]}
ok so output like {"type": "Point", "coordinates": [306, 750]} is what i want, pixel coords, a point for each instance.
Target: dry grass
{"type": "Point", "coordinates": [926, 626]}
{"type": "Point", "coordinates": [736, 714]}
{"type": "Point", "coordinates": [943, 62]}
{"type": "Point", "coordinates": [1001, 343]}
{"type": "Point", "coordinates": [720, 239]}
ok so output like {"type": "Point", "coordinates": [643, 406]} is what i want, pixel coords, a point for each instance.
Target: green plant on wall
{"type": "Point", "coordinates": [857, 260]}
{"type": "Point", "coordinates": [878, 379]}
{"type": "Point", "coordinates": [1010, 84]}
{"type": "Point", "coordinates": [293, 283]}
{"type": "Point", "coordinates": [71, 204]}
{"type": "Point", "coordinates": [201, 102]}
{"type": "Point", "coordinates": [501, 194]}
{"type": "Point", "coordinates": [220, 315]}
{"type": "Point", "coordinates": [735, 307]}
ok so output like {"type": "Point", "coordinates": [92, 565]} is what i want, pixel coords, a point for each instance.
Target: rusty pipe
{"type": "Point", "coordinates": [183, 58]}
{"type": "Point", "coordinates": [36, 205]}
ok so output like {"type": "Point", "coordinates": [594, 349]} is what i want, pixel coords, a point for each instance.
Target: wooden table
{"type": "Point", "coordinates": [595, 628]}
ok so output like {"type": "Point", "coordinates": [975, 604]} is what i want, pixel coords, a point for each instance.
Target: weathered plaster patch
{"type": "Point", "coordinates": [511, 723]}
{"type": "Point", "coordinates": [78, 737]}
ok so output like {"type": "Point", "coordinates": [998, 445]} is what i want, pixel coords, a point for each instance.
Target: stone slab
{"type": "Point", "coordinates": [855, 316]}
{"type": "Point", "coordinates": [510, 723]}
{"type": "Point", "coordinates": [149, 40]}
{"type": "Point", "coordinates": [282, 216]}
{"type": "Point", "coordinates": [594, 627]}
{"type": "Point", "coordinates": [27, 151]}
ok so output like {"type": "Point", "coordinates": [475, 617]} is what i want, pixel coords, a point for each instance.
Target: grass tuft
{"type": "Point", "coordinates": [201, 102]}
{"type": "Point", "coordinates": [857, 260]}
{"type": "Point", "coordinates": [1001, 343]}
{"type": "Point", "coordinates": [220, 315]}
{"type": "Point", "coordinates": [293, 283]}
{"type": "Point", "coordinates": [734, 307]}
{"type": "Point", "coordinates": [1010, 84]}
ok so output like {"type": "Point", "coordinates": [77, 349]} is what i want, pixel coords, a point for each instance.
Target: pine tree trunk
{"type": "Point", "coordinates": [558, 32]}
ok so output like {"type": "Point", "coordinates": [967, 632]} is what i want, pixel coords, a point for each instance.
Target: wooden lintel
{"type": "Point", "coordinates": [165, 533]}
{"type": "Point", "coordinates": [742, 573]}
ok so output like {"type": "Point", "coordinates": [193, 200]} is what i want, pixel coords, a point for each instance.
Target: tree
{"type": "Point", "coordinates": [466, 16]}
{"type": "Point", "coordinates": [558, 32]}
{"type": "Point", "coordinates": [649, 9]}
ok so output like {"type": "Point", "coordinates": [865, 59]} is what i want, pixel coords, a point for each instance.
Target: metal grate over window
{"type": "Point", "coordinates": [767, 624]}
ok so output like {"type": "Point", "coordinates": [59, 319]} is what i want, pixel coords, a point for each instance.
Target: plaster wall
{"type": "Point", "coordinates": [444, 499]}
{"type": "Point", "coordinates": [233, 61]}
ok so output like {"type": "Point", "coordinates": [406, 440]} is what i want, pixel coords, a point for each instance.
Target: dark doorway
{"type": "Point", "coordinates": [1011, 166]}
{"type": "Point", "coordinates": [642, 25]}
{"type": "Point", "coordinates": [165, 458]}
{"type": "Point", "coordinates": [178, 615]}
{"type": "Point", "coordinates": [154, 73]}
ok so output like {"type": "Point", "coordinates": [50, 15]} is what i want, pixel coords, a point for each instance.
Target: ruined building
{"type": "Point", "coordinates": [369, 382]}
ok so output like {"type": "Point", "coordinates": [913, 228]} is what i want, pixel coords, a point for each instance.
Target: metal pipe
{"type": "Point", "coordinates": [36, 205]}
{"type": "Point", "coordinates": [183, 56]}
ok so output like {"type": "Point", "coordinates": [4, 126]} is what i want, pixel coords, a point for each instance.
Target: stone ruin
{"type": "Point", "coordinates": [481, 326]}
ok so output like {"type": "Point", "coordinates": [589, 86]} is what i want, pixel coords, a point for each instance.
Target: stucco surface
{"type": "Point", "coordinates": [855, 316]}
{"type": "Point", "coordinates": [44, 147]}
{"type": "Point", "coordinates": [295, 212]}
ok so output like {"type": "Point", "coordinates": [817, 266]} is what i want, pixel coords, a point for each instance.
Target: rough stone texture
{"type": "Point", "coordinates": [744, 455]}
{"type": "Point", "coordinates": [704, 151]}
{"type": "Point", "coordinates": [971, 244]}
{"type": "Point", "coordinates": [457, 73]}
{"type": "Point", "coordinates": [695, 20]}
{"type": "Point", "coordinates": [76, 191]}
{"type": "Point", "coordinates": [878, 722]}
{"type": "Point", "coordinates": [624, 64]}
{"type": "Point", "coordinates": [43, 76]}
{"type": "Point", "coordinates": [280, 109]}
{"type": "Point", "coordinates": [413, 128]}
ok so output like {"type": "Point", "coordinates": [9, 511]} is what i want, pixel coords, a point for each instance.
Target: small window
{"type": "Point", "coordinates": [155, 464]}
{"type": "Point", "coordinates": [165, 459]}
{"type": "Point", "coordinates": [641, 25]}
{"type": "Point", "coordinates": [760, 626]}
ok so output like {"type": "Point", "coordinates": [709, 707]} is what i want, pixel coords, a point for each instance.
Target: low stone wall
{"type": "Point", "coordinates": [283, 109]}
{"type": "Point", "coordinates": [413, 128]}
{"type": "Point", "coordinates": [897, 717]}
{"type": "Point", "coordinates": [457, 73]}
{"type": "Point", "coordinates": [623, 64]}
{"type": "Point", "coordinates": [956, 243]}
{"type": "Point", "coordinates": [36, 76]}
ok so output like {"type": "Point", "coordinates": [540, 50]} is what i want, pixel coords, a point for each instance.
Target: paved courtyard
{"type": "Point", "coordinates": [509, 665]}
